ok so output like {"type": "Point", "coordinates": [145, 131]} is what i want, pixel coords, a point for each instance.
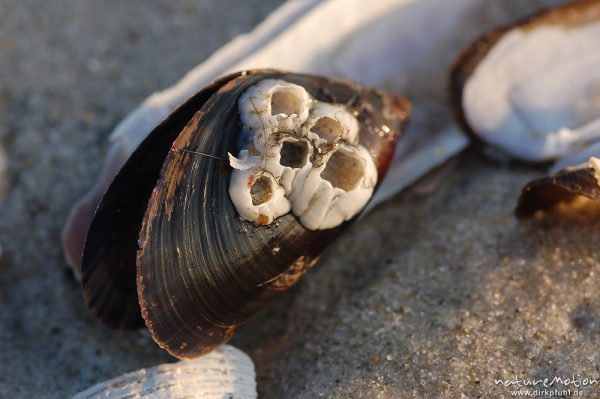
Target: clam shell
{"type": "Point", "coordinates": [225, 373]}
{"type": "Point", "coordinates": [201, 270]}
{"type": "Point", "coordinates": [532, 89]}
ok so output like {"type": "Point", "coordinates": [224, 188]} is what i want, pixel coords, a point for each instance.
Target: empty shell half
{"type": "Point", "coordinates": [532, 89]}
{"type": "Point", "coordinates": [231, 199]}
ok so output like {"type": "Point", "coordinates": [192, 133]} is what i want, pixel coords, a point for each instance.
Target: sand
{"type": "Point", "coordinates": [435, 295]}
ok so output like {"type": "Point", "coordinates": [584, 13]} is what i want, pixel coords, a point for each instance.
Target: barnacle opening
{"type": "Point", "coordinates": [261, 190]}
{"type": "Point", "coordinates": [344, 170]}
{"type": "Point", "coordinates": [328, 129]}
{"type": "Point", "coordinates": [294, 154]}
{"type": "Point", "coordinates": [287, 101]}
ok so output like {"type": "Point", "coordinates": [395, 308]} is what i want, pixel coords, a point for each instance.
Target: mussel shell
{"type": "Point", "coordinates": [546, 192]}
{"type": "Point", "coordinates": [108, 267]}
{"type": "Point", "coordinates": [201, 270]}
{"type": "Point", "coordinates": [573, 14]}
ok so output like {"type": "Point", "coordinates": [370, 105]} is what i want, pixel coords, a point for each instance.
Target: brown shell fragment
{"type": "Point", "coordinates": [565, 186]}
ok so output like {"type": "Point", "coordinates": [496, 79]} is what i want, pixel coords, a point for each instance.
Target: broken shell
{"type": "Point", "coordinates": [225, 373]}
{"type": "Point", "coordinates": [532, 89]}
{"type": "Point", "coordinates": [566, 186]}
{"type": "Point", "coordinates": [202, 270]}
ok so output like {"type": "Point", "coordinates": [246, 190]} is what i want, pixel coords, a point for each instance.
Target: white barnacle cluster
{"type": "Point", "coordinates": [300, 155]}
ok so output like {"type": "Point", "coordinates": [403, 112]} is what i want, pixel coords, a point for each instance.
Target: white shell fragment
{"type": "Point", "coordinates": [224, 373]}
{"type": "Point", "coordinates": [298, 154]}
{"type": "Point", "coordinates": [536, 94]}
